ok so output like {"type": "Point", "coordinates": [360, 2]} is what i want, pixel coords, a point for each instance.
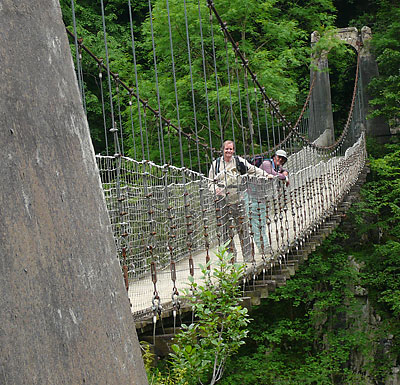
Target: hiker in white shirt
{"type": "Point", "coordinates": [224, 178]}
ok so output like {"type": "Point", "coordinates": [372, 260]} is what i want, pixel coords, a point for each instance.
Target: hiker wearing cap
{"type": "Point", "coordinates": [274, 166]}
{"type": "Point", "coordinates": [256, 197]}
{"type": "Point", "coordinates": [224, 180]}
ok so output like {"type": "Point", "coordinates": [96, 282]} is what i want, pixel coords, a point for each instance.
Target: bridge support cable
{"type": "Point", "coordinates": [224, 213]}
{"type": "Point", "coordinates": [309, 200]}
{"type": "Point", "coordinates": [192, 89]}
{"type": "Point", "coordinates": [121, 131]}
{"type": "Point", "coordinates": [175, 86]}
{"type": "Point", "coordinates": [217, 107]}
{"type": "Point", "coordinates": [252, 183]}
{"type": "Point", "coordinates": [103, 108]}
{"type": "Point", "coordinates": [268, 153]}
{"type": "Point", "coordinates": [146, 132]}
{"type": "Point", "coordinates": [78, 59]}
{"type": "Point", "coordinates": [132, 127]}
{"type": "Point", "coordinates": [258, 121]}
{"type": "Point", "coordinates": [113, 127]}
{"type": "Point", "coordinates": [204, 68]}
{"type": "Point", "coordinates": [242, 128]}
{"type": "Point", "coordinates": [219, 214]}
{"type": "Point", "coordinates": [186, 204]}
{"type": "Point", "coordinates": [122, 232]}
{"type": "Point", "coordinates": [228, 70]}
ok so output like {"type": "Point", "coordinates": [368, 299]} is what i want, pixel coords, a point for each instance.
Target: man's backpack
{"type": "Point", "coordinates": [240, 166]}
{"type": "Point", "coordinates": [257, 160]}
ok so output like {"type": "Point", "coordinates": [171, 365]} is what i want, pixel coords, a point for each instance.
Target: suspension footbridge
{"type": "Point", "coordinates": [76, 226]}
{"type": "Point", "coordinates": [163, 207]}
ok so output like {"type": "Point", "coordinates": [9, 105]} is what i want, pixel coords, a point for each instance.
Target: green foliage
{"type": "Point", "coordinates": [298, 334]}
{"type": "Point", "coordinates": [273, 34]}
{"type": "Point", "coordinates": [201, 349]}
{"type": "Point", "coordinates": [377, 217]}
{"type": "Point", "coordinates": [380, 208]}
{"type": "Point", "coordinates": [383, 280]}
{"type": "Point", "coordinates": [148, 356]}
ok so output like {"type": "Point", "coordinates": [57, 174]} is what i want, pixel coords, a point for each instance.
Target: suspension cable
{"type": "Point", "coordinates": [192, 86]}
{"type": "Point", "coordinates": [142, 101]}
{"type": "Point", "coordinates": [291, 130]}
{"type": "Point", "coordinates": [157, 85]}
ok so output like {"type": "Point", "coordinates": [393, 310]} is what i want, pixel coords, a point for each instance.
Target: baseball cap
{"type": "Point", "coordinates": [281, 153]}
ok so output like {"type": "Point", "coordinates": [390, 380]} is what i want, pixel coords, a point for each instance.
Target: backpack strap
{"type": "Point", "coordinates": [240, 166]}
{"type": "Point", "coordinates": [274, 167]}
{"type": "Point", "coordinates": [217, 162]}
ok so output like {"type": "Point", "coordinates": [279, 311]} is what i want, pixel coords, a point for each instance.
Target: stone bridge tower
{"type": "Point", "coordinates": [65, 316]}
{"type": "Point", "coordinates": [321, 117]}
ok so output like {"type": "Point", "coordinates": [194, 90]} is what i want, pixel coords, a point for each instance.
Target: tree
{"type": "Point", "coordinates": [386, 88]}
{"type": "Point", "coordinates": [201, 349]}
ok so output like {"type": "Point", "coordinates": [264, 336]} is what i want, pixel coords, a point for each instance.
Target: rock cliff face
{"type": "Point", "coordinates": [362, 317]}
{"type": "Point", "coordinates": [65, 315]}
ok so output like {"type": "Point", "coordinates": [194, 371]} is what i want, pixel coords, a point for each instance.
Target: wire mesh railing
{"type": "Point", "coordinates": [150, 220]}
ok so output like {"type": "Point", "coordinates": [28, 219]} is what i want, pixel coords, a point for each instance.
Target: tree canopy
{"type": "Point", "coordinates": [273, 35]}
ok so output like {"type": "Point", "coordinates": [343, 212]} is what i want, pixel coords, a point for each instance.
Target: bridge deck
{"type": "Point", "coordinates": [312, 196]}
{"type": "Point", "coordinates": [141, 290]}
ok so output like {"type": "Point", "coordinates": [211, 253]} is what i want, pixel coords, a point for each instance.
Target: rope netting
{"type": "Point", "coordinates": [160, 206]}
{"type": "Point", "coordinates": [165, 133]}
{"type": "Point", "coordinates": [164, 214]}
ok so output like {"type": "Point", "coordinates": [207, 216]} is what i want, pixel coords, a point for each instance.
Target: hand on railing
{"type": "Point", "coordinates": [286, 177]}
